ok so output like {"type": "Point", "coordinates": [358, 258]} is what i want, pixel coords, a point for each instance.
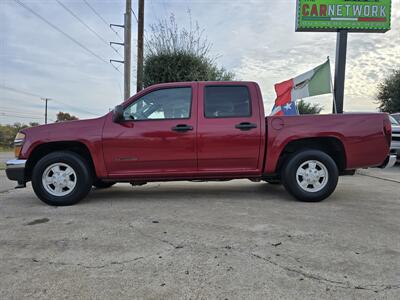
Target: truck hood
{"type": "Point", "coordinates": [65, 130]}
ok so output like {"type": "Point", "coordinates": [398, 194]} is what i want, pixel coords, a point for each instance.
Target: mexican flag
{"type": "Point", "coordinates": [314, 82]}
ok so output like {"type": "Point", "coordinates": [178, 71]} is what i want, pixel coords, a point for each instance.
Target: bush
{"type": "Point", "coordinates": [305, 108]}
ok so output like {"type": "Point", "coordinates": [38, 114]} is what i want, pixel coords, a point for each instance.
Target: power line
{"type": "Point", "coordinates": [2, 86]}
{"type": "Point", "coordinates": [22, 115]}
{"type": "Point", "coordinates": [101, 18]}
{"type": "Point", "coordinates": [18, 116]}
{"type": "Point", "coordinates": [86, 25]}
{"type": "Point", "coordinates": [96, 13]}
{"type": "Point", "coordinates": [67, 35]}
{"type": "Point", "coordinates": [76, 109]}
{"type": "Point", "coordinates": [29, 102]}
{"type": "Point", "coordinates": [18, 91]}
{"type": "Point", "coordinates": [24, 112]}
{"type": "Point", "coordinates": [61, 31]}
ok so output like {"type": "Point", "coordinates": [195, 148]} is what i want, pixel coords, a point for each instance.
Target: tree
{"type": "Point", "coordinates": [8, 133]}
{"type": "Point", "coordinates": [389, 93]}
{"type": "Point", "coordinates": [62, 116]}
{"type": "Point", "coordinates": [305, 108]}
{"type": "Point", "coordinates": [174, 54]}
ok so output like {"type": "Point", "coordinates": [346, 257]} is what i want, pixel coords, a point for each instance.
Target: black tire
{"type": "Point", "coordinates": [273, 181]}
{"type": "Point", "coordinates": [83, 178]}
{"type": "Point", "coordinates": [292, 182]}
{"type": "Point", "coordinates": [99, 184]}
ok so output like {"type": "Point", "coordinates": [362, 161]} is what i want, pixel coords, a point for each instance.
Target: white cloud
{"type": "Point", "coordinates": [256, 39]}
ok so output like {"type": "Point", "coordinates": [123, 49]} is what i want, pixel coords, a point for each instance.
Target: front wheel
{"type": "Point", "coordinates": [310, 175]}
{"type": "Point", "coordinates": [61, 178]}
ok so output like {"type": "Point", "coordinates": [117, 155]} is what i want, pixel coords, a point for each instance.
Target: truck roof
{"type": "Point", "coordinates": [206, 82]}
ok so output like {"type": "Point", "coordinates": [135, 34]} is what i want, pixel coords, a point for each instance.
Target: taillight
{"type": "Point", "coordinates": [387, 130]}
{"type": "Point", "coordinates": [18, 142]}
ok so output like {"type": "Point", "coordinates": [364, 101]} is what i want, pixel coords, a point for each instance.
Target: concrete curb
{"type": "Point", "coordinates": [377, 176]}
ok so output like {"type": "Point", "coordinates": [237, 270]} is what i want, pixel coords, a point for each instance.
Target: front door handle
{"type": "Point", "coordinates": [244, 126]}
{"type": "Point", "coordinates": [182, 128]}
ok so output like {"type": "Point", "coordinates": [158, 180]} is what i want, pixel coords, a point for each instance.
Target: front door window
{"type": "Point", "coordinates": [164, 104]}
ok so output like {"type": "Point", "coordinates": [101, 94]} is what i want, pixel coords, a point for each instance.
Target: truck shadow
{"type": "Point", "coordinates": [191, 191]}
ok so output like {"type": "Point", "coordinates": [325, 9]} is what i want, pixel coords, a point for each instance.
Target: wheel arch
{"type": "Point", "coordinates": [332, 146]}
{"type": "Point", "coordinates": [43, 149]}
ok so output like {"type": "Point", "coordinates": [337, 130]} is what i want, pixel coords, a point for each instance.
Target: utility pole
{"type": "Point", "coordinates": [139, 74]}
{"type": "Point", "coordinates": [45, 109]}
{"type": "Point", "coordinates": [127, 48]}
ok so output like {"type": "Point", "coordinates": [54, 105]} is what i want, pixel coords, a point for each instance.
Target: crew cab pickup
{"type": "Point", "coordinates": [198, 131]}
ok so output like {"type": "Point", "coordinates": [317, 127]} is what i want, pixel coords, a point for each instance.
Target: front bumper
{"type": "Point", "coordinates": [15, 170]}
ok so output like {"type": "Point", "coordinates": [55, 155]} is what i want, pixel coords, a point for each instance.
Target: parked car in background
{"type": "Point", "coordinates": [198, 131]}
{"type": "Point", "coordinates": [395, 146]}
{"type": "Point", "coordinates": [396, 116]}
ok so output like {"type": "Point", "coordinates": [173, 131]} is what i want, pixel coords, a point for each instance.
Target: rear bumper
{"type": "Point", "coordinates": [15, 170]}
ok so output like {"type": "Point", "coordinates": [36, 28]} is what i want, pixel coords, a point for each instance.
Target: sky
{"type": "Point", "coordinates": [254, 39]}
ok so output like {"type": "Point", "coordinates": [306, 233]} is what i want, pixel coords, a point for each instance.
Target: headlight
{"type": "Point", "coordinates": [18, 142]}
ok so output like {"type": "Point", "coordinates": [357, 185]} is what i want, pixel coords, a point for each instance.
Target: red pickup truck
{"type": "Point", "coordinates": [198, 131]}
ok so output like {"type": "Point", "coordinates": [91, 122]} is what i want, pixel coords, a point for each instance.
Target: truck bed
{"type": "Point", "coordinates": [361, 135]}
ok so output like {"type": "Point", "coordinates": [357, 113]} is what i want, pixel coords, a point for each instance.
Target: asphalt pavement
{"type": "Point", "coordinates": [182, 240]}
{"type": "Point", "coordinates": [4, 156]}
{"type": "Point", "coordinates": [5, 184]}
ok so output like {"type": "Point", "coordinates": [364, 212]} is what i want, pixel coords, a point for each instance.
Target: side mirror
{"type": "Point", "coordinates": [118, 114]}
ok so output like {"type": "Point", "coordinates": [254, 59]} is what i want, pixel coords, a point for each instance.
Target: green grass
{"type": "Point", "coordinates": [6, 149]}
{"type": "Point", "coordinates": [2, 166]}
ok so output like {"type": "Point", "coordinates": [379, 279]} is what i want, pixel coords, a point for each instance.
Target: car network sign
{"type": "Point", "coordinates": [351, 15]}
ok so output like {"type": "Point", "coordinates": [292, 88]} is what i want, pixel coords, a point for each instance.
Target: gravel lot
{"type": "Point", "coordinates": [233, 240]}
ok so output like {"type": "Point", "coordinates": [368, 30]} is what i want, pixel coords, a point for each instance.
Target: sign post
{"type": "Point", "coordinates": [340, 70]}
{"type": "Point", "coordinates": [342, 16]}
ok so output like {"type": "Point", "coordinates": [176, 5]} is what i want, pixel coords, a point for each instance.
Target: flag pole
{"type": "Point", "coordinates": [333, 94]}
{"type": "Point", "coordinates": [334, 100]}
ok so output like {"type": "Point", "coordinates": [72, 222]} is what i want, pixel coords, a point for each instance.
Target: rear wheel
{"type": "Point", "coordinates": [310, 175]}
{"type": "Point", "coordinates": [61, 178]}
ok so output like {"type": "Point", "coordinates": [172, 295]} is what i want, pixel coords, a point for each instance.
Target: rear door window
{"type": "Point", "coordinates": [227, 102]}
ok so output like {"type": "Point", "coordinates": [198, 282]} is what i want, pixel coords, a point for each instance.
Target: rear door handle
{"type": "Point", "coordinates": [182, 128]}
{"type": "Point", "coordinates": [244, 126]}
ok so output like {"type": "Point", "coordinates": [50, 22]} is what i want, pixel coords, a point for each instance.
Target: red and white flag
{"type": "Point", "coordinates": [312, 83]}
